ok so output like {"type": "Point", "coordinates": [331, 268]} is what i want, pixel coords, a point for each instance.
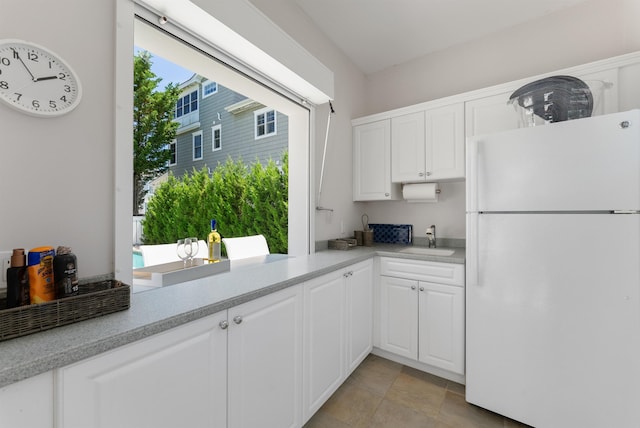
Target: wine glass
{"type": "Point", "coordinates": [181, 251]}
{"type": "Point", "coordinates": [195, 247]}
{"type": "Point", "coordinates": [188, 250]}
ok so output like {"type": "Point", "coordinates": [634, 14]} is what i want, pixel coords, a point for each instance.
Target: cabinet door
{"type": "Point", "coordinates": [399, 316]}
{"type": "Point", "coordinates": [28, 403]}
{"type": "Point", "coordinates": [441, 326]}
{"type": "Point", "coordinates": [265, 361]}
{"type": "Point", "coordinates": [490, 114]}
{"type": "Point", "coordinates": [324, 339]}
{"type": "Point", "coordinates": [445, 142]}
{"type": "Point", "coordinates": [359, 313]}
{"type": "Point", "coordinates": [172, 379]}
{"type": "Point", "coordinates": [372, 162]}
{"type": "Point", "coordinates": [408, 148]}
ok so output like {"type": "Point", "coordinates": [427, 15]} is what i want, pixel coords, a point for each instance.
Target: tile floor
{"type": "Point", "coordinates": [381, 393]}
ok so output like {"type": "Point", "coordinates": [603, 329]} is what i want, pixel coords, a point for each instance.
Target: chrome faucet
{"type": "Point", "coordinates": [431, 235]}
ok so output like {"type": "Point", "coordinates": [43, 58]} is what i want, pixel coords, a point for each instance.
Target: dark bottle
{"type": "Point", "coordinates": [65, 273]}
{"type": "Point", "coordinates": [18, 280]}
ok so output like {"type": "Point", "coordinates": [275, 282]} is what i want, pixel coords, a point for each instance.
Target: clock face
{"type": "Point", "coordinates": [36, 81]}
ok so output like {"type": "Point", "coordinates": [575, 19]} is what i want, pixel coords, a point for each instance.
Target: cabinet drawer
{"type": "Point", "coordinates": [441, 273]}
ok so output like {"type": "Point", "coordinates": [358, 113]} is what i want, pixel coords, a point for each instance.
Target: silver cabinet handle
{"type": "Point", "coordinates": [421, 288]}
{"type": "Point", "coordinates": [428, 174]}
{"type": "Point", "coordinates": [413, 287]}
{"type": "Point", "coordinates": [386, 194]}
{"type": "Point", "coordinates": [421, 174]}
{"type": "Point", "coordinates": [237, 319]}
{"type": "Point", "coordinates": [224, 324]}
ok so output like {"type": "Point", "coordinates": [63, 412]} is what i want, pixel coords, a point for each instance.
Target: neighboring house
{"type": "Point", "coordinates": [217, 123]}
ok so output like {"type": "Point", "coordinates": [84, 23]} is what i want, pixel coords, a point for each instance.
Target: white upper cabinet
{"type": "Point", "coordinates": [444, 129]}
{"type": "Point", "coordinates": [428, 145]}
{"type": "Point", "coordinates": [372, 162]}
{"type": "Point", "coordinates": [408, 161]}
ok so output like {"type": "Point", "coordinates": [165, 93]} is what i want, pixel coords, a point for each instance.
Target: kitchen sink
{"type": "Point", "coordinates": [428, 251]}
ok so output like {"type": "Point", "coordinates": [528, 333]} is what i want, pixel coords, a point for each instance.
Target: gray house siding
{"type": "Point", "coordinates": [237, 134]}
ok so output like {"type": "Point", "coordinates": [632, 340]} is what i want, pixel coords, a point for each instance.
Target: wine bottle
{"type": "Point", "coordinates": [213, 242]}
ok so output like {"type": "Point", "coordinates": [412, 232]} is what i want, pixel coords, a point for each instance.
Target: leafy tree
{"type": "Point", "coordinates": [153, 126]}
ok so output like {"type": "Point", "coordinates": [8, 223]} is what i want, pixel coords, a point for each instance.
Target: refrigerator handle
{"type": "Point", "coordinates": [473, 254]}
{"type": "Point", "coordinates": [472, 175]}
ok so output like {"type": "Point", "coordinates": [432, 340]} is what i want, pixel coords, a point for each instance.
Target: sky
{"type": "Point", "coordinates": [168, 71]}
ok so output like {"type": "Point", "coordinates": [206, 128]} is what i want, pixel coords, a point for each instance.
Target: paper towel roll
{"type": "Point", "coordinates": [420, 192]}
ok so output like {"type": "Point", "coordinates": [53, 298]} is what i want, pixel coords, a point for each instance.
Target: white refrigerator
{"type": "Point", "coordinates": [553, 273]}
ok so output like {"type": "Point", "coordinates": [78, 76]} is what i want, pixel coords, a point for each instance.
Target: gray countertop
{"type": "Point", "coordinates": [163, 308]}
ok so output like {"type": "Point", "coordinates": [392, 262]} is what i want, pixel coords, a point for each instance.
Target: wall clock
{"type": "Point", "coordinates": [36, 81]}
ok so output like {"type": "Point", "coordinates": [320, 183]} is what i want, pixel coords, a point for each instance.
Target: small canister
{"type": "Point", "coordinates": [367, 238]}
{"type": "Point", "coordinates": [65, 273]}
{"type": "Point", "coordinates": [358, 236]}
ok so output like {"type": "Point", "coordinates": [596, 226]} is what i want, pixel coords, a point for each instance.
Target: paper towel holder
{"type": "Point", "coordinates": [420, 192]}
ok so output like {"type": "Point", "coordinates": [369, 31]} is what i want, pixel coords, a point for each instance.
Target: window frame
{"type": "Point", "coordinates": [215, 128]}
{"type": "Point", "coordinates": [180, 103]}
{"type": "Point", "coordinates": [204, 85]}
{"type": "Point", "coordinates": [193, 145]}
{"type": "Point", "coordinates": [264, 112]}
{"type": "Point", "coordinates": [173, 149]}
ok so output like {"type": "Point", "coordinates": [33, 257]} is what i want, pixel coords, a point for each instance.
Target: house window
{"type": "Point", "coordinates": [197, 145]}
{"type": "Point", "coordinates": [187, 103]}
{"type": "Point", "coordinates": [216, 133]}
{"type": "Point", "coordinates": [209, 88]}
{"type": "Point", "coordinates": [265, 123]}
{"type": "Point", "coordinates": [173, 148]}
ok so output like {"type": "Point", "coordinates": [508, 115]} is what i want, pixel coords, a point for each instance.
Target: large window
{"type": "Point", "coordinates": [187, 103]}
{"type": "Point", "coordinates": [201, 60]}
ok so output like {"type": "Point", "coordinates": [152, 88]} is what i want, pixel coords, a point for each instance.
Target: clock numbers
{"type": "Point", "coordinates": [5, 61]}
{"type": "Point", "coordinates": [4, 85]}
{"type": "Point", "coordinates": [32, 56]}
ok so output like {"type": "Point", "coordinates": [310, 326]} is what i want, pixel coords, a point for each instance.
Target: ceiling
{"type": "Point", "coordinates": [377, 34]}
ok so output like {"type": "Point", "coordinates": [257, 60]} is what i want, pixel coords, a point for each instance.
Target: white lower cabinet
{"type": "Point", "coordinates": [421, 319]}
{"type": "Point", "coordinates": [238, 368]}
{"type": "Point", "coordinates": [338, 331]}
{"type": "Point", "coordinates": [265, 361]}
{"type": "Point", "coordinates": [28, 403]}
{"type": "Point", "coordinates": [175, 378]}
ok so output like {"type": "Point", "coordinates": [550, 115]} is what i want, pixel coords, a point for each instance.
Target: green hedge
{"type": "Point", "coordinates": [244, 200]}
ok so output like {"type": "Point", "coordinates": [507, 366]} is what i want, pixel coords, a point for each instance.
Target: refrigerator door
{"type": "Point", "coordinates": [587, 164]}
{"type": "Point", "coordinates": [553, 318]}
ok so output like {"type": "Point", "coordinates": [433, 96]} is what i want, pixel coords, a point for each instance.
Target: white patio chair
{"type": "Point", "coordinates": [245, 246]}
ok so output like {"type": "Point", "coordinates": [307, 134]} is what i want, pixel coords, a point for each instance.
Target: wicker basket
{"type": "Point", "coordinates": [95, 299]}
{"type": "Point", "coordinates": [342, 244]}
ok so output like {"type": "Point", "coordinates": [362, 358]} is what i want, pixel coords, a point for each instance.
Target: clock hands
{"type": "Point", "coordinates": [33, 78]}
{"type": "Point", "coordinates": [17, 55]}
{"type": "Point", "coordinates": [40, 79]}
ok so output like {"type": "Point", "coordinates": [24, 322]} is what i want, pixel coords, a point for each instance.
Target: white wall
{"type": "Point", "coordinates": [57, 175]}
{"type": "Point", "coordinates": [590, 31]}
